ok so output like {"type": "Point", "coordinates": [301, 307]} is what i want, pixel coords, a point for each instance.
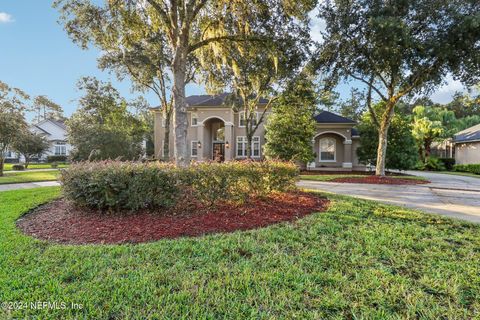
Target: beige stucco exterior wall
{"type": "Point", "coordinates": [345, 147]}
{"type": "Point", "coordinates": [467, 153]}
{"type": "Point", "coordinates": [208, 118]}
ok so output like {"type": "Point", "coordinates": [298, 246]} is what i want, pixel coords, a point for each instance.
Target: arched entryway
{"type": "Point", "coordinates": [332, 150]}
{"type": "Point", "coordinates": [214, 139]}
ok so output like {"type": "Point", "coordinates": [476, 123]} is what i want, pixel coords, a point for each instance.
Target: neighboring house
{"type": "Point", "coordinates": [217, 132]}
{"type": "Point", "coordinates": [467, 145]}
{"type": "Point", "coordinates": [55, 132]}
{"type": "Point", "coordinates": [443, 149]}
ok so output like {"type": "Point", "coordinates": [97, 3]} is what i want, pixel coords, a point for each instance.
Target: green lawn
{"type": "Point", "coordinates": [330, 177]}
{"type": "Point", "coordinates": [358, 260]}
{"type": "Point", "coordinates": [8, 166]}
{"type": "Point", "coordinates": [28, 176]}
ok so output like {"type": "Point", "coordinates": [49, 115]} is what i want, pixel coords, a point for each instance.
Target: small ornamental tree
{"type": "Point", "coordinates": [431, 124]}
{"type": "Point", "coordinates": [12, 120]}
{"type": "Point", "coordinates": [103, 127]}
{"type": "Point", "coordinates": [290, 127]}
{"type": "Point", "coordinates": [30, 145]}
{"type": "Point", "coordinates": [402, 151]}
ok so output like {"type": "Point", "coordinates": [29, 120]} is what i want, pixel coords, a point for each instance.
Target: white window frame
{"type": "Point", "coordinates": [242, 141]}
{"type": "Point", "coordinates": [62, 146]}
{"type": "Point", "coordinates": [162, 149]}
{"type": "Point", "coordinates": [256, 140]}
{"type": "Point", "coordinates": [334, 149]}
{"type": "Point", "coordinates": [164, 121]}
{"type": "Point", "coordinates": [240, 118]}
{"type": "Point", "coordinates": [192, 143]}
{"type": "Point", "coordinates": [193, 115]}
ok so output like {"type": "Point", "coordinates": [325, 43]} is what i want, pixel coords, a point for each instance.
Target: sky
{"type": "Point", "coordinates": [37, 56]}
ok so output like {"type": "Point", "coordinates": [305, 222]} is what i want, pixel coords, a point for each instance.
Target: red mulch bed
{"type": "Point", "coordinates": [362, 173]}
{"type": "Point", "coordinates": [60, 221]}
{"type": "Point", "coordinates": [379, 180]}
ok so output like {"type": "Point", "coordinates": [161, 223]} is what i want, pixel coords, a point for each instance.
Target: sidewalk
{"type": "Point", "coordinates": [28, 185]}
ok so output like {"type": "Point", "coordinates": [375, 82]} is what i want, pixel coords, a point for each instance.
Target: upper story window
{"type": "Point", "coordinates": [60, 149]}
{"type": "Point", "coordinates": [194, 116]}
{"type": "Point", "coordinates": [327, 150]}
{"type": "Point", "coordinates": [242, 121]}
{"type": "Point", "coordinates": [164, 121]}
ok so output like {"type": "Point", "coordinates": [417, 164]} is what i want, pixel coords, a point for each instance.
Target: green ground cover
{"type": "Point", "coordinates": [358, 260]}
{"type": "Point", "coordinates": [8, 166]}
{"type": "Point", "coordinates": [28, 176]}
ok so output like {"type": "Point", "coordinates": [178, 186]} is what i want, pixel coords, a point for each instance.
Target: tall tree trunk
{"type": "Point", "coordinates": [428, 148]}
{"type": "Point", "coordinates": [381, 151]}
{"type": "Point", "coordinates": [1, 166]}
{"type": "Point", "coordinates": [166, 142]}
{"type": "Point", "coordinates": [180, 108]}
{"type": "Point", "coordinates": [383, 137]}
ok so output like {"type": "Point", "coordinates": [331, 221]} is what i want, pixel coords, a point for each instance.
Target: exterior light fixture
{"type": "Point", "coordinates": [199, 145]}
{"type": "Point", "coordinates": [227, 145]}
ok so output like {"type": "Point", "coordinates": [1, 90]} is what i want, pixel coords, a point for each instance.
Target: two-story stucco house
{"type": "Point", "coordinates": [217, 132]}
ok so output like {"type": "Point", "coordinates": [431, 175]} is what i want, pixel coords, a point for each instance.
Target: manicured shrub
{"type": "Point", "coordinates": [431, 164]}
{"type": "Point", "coordinates": [18, 167]}
{"type": "Point", "coordinates": [56, 158]}
{"type": "Point", "coordinates": [120, 185]}
{"type": "Point", "coordinates": [448, 163]}
{"type": "Point", "coordinates": [54, 165]}
{"type": "Point", "coordinates": [134, 185]}
{"type": "Point", "coordinates": [471, 168]}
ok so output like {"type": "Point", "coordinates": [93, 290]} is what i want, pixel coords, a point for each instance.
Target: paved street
{"type": "Point", "coordinates": [450, 195]}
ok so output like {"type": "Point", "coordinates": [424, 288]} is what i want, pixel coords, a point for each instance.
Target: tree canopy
{"type": "Point", "coordinates": [103, 127]}
{"type": "Point", "coordinates": [186, 26]}
{"type": "Point", "coordinates": [397, 48]}
{"type": "Point", "coordinates": [291, 127]}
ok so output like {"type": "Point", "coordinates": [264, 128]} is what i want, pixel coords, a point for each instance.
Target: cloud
{"type": "Point", "coordinates": [445, 93]}
{"type": "Point", "coordinates": [317, 26]}
{"type": "Point", "coordinates": [5, 17]}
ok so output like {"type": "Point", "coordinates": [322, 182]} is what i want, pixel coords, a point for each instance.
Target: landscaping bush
{"type": "Point", "coordinates": [56, 158]}
{"type": "Point", "coordinates": [54, 165]}
{"type": "Point", "coordinates": [471, 168]}
{"type": "Point", "coordinates": [18, 167]}
{"type": "Point", "coordinates": [120, 185]}
{"type": "Point", "coordinates": [431, 164]}
{"type": "Point", "coordinates": [448, 163]}
{"type": "Point", "coordinates": [134, 185]}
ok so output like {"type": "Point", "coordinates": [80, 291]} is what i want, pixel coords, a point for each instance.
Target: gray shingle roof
{"type": "Point", "coordinates": [469, 134]}
{"type": "Point", "coordinates": [207, 100]}
{"type": "Point", "coordinates": [329, 117]}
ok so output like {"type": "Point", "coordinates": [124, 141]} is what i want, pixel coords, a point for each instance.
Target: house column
{"type": "Point", "coordinates": [200, 139]}
{"type": "Point", "coordinates": [311, 165]}
{"type": "Point", "coordinates": [347, 154]}
{"type": "Point", "coordinates": [229, 143]}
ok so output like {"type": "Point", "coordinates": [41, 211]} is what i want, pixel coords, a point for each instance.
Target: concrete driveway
{"type": "Point", "coordinates": [449, 195]}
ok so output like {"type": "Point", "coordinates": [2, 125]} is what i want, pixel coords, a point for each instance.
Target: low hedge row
{"type": "Point", "coordinates": [132, 185]}
{"type": "Point", "coordinates": [56, 158]}
{"type": "Point", "coordinates": [471, 168]}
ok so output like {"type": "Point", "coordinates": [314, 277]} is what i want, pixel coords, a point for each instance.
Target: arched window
{"type": "Point", "coordinates": [327, 150]}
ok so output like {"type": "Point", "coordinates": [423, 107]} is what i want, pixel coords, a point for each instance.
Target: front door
{"type": "Point", "coordinates": [218, 153]}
